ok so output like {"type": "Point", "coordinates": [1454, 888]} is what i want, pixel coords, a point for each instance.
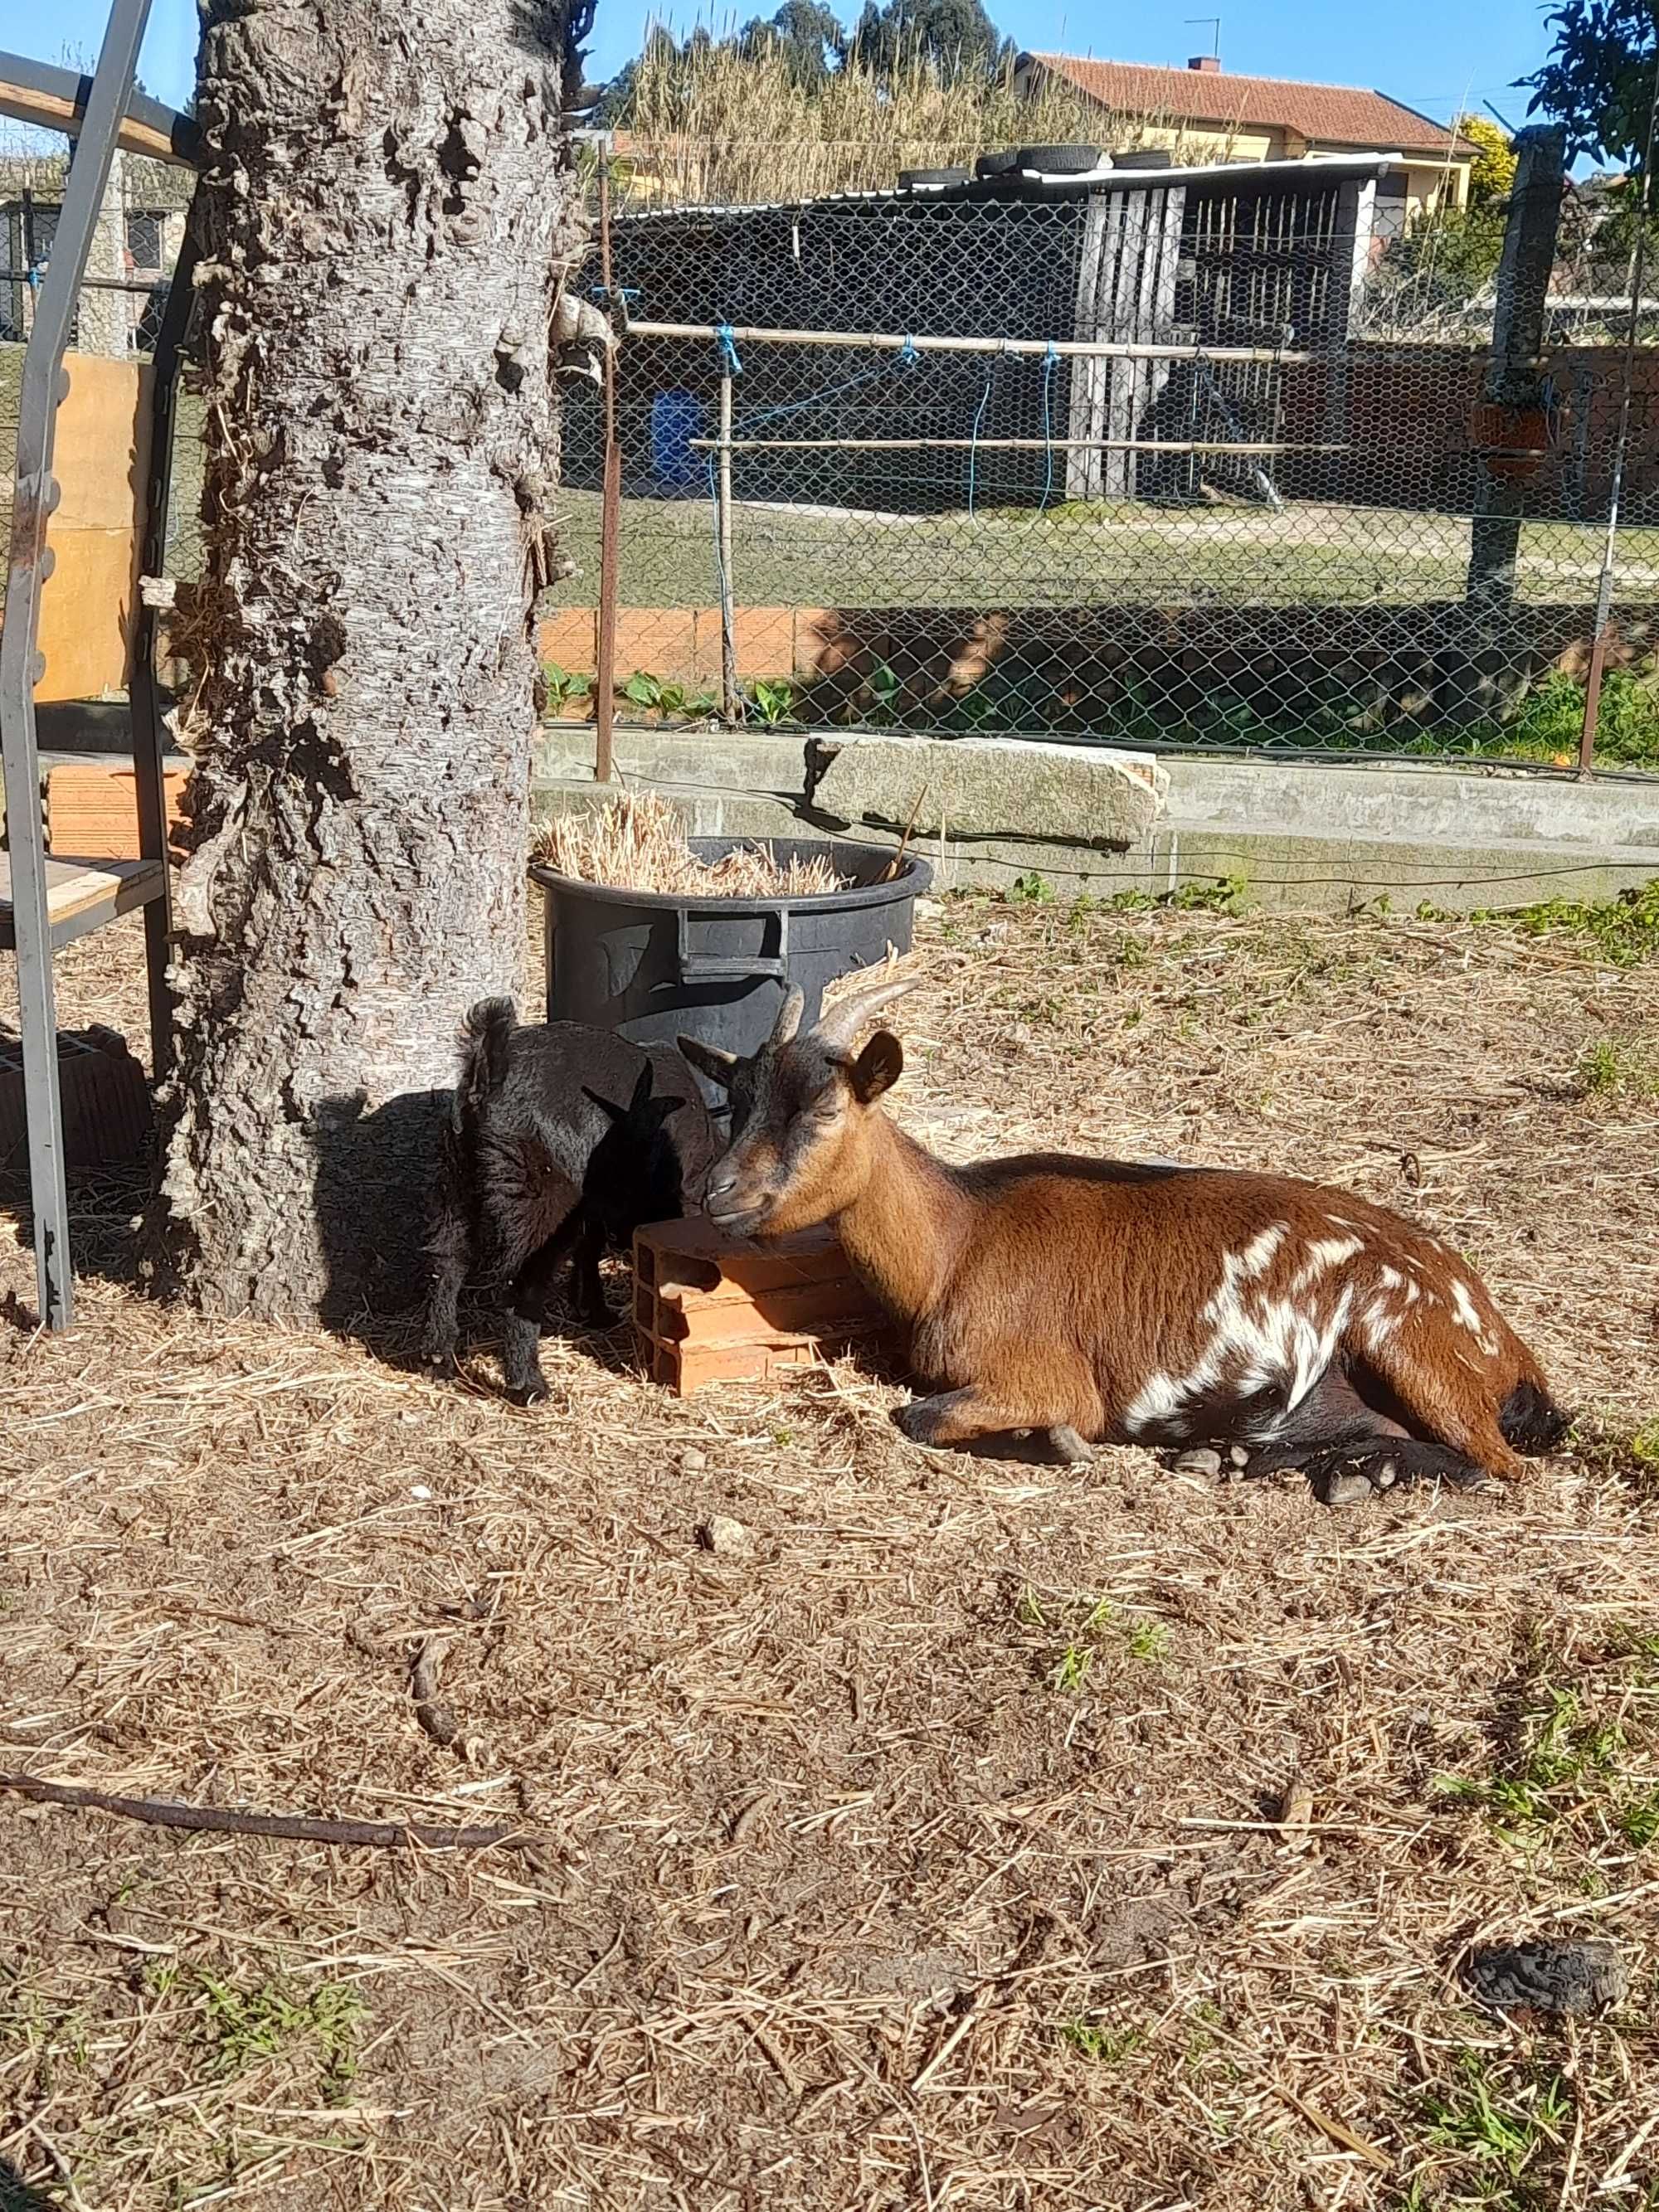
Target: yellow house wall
{"type": "Point", "coordinates": [1198, 143]}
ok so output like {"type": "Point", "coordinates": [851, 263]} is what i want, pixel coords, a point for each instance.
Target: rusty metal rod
{"type": "Point", "coordinates": [730, 703]}
{"type": "Point", "coordinates": [609, 520]}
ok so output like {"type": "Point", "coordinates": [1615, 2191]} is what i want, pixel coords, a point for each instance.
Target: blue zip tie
{"type": "Point", "coordinates": [907, 356]}
{"type": "Point", "coordinates": [726, 339]}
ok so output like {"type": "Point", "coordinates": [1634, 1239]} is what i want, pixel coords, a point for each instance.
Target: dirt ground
{"type": "Point", "coordinates": [931, 1849]}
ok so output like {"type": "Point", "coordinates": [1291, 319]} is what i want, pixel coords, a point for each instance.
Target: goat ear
{"type": "Point", "coordinates": [877, 1068]}
{"type": "Point", "coordinates": [659, 1110]}
{"type": "Point", "coordinates": [642, 1097]}
{"type": "Point", "coordinates": [709, 1060]}
{"type": "Point", "coordinates": [611, 1111]}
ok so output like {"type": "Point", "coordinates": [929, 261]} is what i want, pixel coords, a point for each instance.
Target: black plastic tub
{"type": "Point", "coordinates": [654, 966]}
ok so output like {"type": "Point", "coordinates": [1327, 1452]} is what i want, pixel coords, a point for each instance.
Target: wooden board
{"type": "Point", "coordinates": [1126, 291]}
{"type": "Point", "coordinates": [78, 890]}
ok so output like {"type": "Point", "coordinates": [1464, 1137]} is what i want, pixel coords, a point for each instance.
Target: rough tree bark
{"type": "Point", "coordinates": [387, 206]}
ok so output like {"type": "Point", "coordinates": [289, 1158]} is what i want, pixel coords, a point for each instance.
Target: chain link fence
{"type": "Point", "coordinates": [1177, 458]}
{"type": "Point", "coordinates": [1174, 457]}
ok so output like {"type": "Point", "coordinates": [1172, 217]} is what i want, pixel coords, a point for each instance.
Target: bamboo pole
{"type": "Point", "coordinates": [889, 342]}
{"type": "Point", "coordinates": [998, 446]}
{"type": "Point", "coordinates": [730, 703]}
{"type": "Point", "coordinates": [605, 655]}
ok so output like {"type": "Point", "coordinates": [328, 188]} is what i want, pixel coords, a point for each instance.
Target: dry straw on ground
{"type": "Point", "coordinates": [638, 842]}
{"type": "Point", "coordinates": [979, 1836]}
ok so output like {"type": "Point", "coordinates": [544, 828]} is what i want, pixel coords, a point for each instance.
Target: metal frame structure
{"type": "Point", "coordinates": [100, 113]}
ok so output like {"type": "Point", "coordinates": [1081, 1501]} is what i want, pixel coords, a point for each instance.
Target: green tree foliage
{"type": "Point", "coordinates": [1492, 173]}
{"type": "Point", "coordinates": [808, 35]}
{"type": "Point", "coordinates": [1599, 79]}
{"type": "Point", "coordinates": [957, 37]}
{"type": "Point", "coordinates": [952, 38]}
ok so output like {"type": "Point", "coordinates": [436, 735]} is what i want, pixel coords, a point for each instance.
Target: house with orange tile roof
{"type": "Point", "coordinates": [1205, 113]}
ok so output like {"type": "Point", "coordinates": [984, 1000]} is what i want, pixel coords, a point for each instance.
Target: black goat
{"type": "Point", "coordinates": [537, 1160]}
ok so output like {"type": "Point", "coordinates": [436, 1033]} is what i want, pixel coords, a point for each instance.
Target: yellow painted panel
{"type": "Point", "coordinates": [99, 458]}
{"type": "Point", "coordinates": [86, 613]}
{"type": "Point", "coordinates": [102, 444]}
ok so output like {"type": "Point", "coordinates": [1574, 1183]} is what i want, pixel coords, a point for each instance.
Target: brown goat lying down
{"type": "Point", "coordinates": [1101, 1300]}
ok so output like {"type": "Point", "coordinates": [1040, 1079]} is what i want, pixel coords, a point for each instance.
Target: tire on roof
{"type": "Point", "coordinates": [1060, 161]}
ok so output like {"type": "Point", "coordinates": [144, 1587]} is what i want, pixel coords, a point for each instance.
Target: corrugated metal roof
{"type": "Point", "coordinates": [999, 190]}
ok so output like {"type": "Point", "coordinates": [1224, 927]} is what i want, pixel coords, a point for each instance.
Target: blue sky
{"type": "Point", "coordinates": [1436, 55]}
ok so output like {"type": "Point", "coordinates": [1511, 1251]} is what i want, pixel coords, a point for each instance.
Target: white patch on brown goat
{"type": "Point", "coordinates": [1256, 1343]}
{"type": "Point", "coordinates": [1257, 1255]}
{"type": "Point", "coordinates": [1321, 1257]}
{"type": "Point", "coordinates": [1378, 1323]}
{"type": "Point", "coordinates": [1467, 1314]}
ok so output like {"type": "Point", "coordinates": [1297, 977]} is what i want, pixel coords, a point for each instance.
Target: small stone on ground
{"type": "Point", "coordinates": [1578, 1978]}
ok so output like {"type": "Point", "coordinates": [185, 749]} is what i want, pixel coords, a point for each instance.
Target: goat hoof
{"type": "Point", "coordinates": [1069, 1448]}
{"type": "Point", "coordinates": [441, 1366]}
{"type": "Point", "coordinates": [1201, 1461]}
{"type": "Point", "coordinates": [528, 1393]}
{"type": "Point", "coordinates": [1346, 1489]}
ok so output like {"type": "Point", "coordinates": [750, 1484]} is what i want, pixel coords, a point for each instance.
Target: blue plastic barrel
{"type": "Point", "coordinates": [676, 419]}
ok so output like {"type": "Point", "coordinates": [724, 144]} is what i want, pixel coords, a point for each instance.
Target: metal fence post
{"type": "Point", "coordinates": [605, 644]}
{"type": "Point", "coordinates": [1639, 260]}
{"type": "Point", "coordinates": [731, 705]}
{"type": "Point", "coordinates": [149, 730]}
{"type": "Point", "coordinates": [1517, 341]}
{"type": "Point", "coordinates": [42, 392]}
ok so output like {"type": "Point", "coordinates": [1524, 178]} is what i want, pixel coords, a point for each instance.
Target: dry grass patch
{"type": "Point", "coordinates": [934, 1852]}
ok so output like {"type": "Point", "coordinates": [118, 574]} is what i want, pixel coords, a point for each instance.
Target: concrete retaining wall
{"type": "Point", "coordinates": [1295, 835]}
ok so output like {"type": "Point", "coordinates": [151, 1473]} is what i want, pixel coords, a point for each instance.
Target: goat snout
{"type": "Point", "coordinates": [732, 1202]}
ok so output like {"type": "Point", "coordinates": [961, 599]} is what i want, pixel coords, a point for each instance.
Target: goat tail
{"type": "Point", "coordinates": [486, 1045]}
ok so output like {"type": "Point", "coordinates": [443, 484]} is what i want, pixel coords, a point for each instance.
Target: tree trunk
{"type": "Point", "coordinates": [385, 203]}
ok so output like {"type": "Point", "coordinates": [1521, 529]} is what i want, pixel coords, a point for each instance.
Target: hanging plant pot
{"type": "Point", "coordinates": [1511, 441]}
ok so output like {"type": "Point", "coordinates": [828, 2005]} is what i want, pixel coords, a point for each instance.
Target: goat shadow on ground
{"type": "Point", "coordinates": [16, 2194]}
{"type": "Point", "coordinates": [103, 1245]}
{"type": "Point", "coordinates": [374, 1176]}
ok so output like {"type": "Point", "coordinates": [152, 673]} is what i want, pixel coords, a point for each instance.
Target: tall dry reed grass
{"type": "Point", "coordinates": [715, 126]}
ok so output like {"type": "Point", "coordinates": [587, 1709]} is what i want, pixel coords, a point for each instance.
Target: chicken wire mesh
{"type": "Point", "coordinates": [1248, 517]}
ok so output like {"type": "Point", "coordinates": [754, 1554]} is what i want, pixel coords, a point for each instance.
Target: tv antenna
{"type": "Point", "coordinates": [1214, 21]}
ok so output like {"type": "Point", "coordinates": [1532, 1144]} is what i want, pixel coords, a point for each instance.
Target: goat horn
{"type": "Point", "coordinates": [789, 1014]}
{"type": "Point", "coordinates": [848, 1017]}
